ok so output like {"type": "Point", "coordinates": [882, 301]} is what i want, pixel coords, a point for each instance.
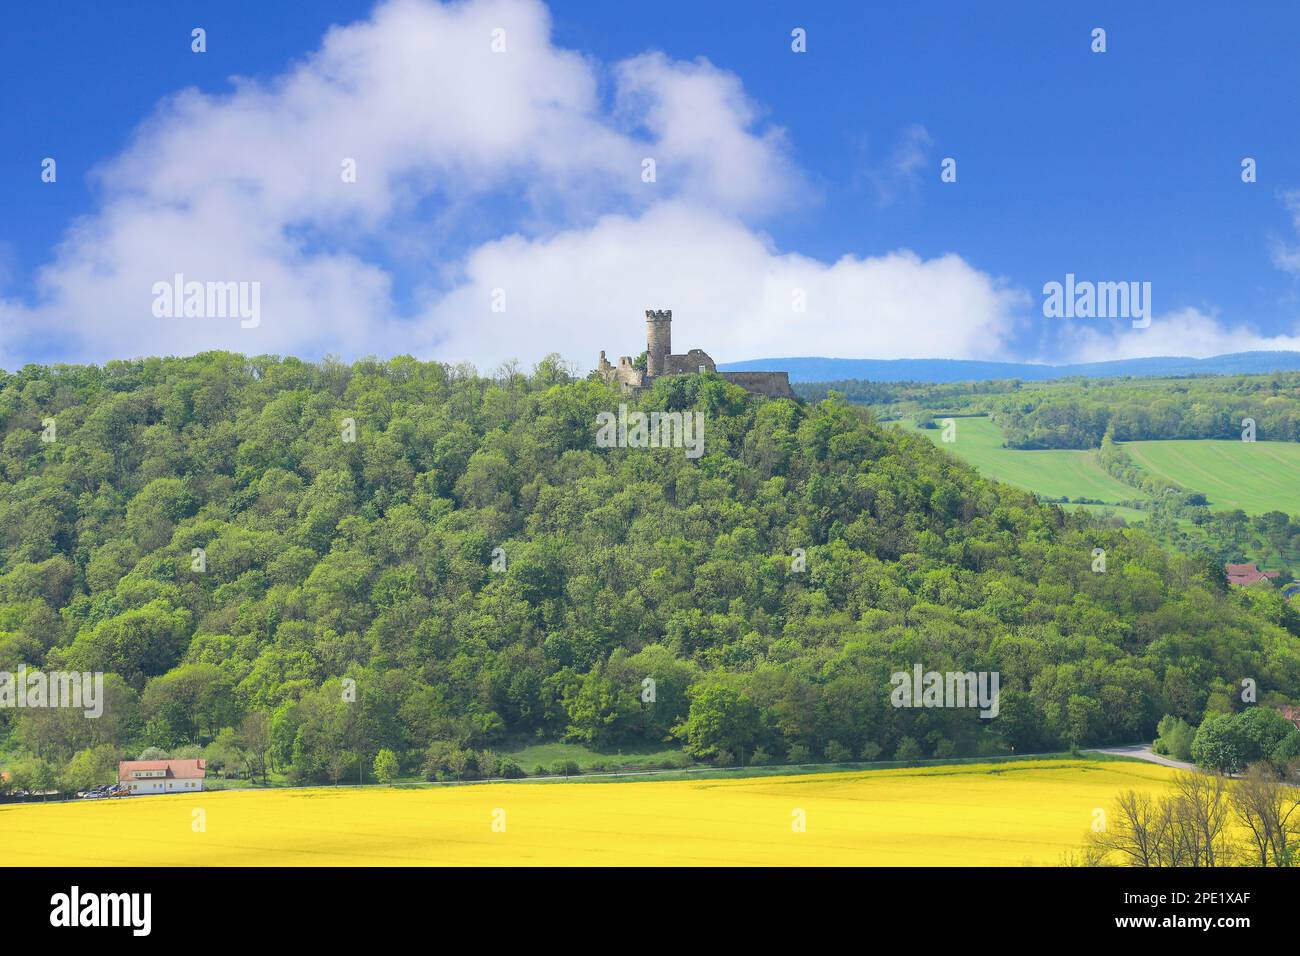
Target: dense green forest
{"type": "Point", "coordinates": [472, 571]}
{"type": "Point", "coordinates": [1079, 413]}
{"type": "Point", "coordinates": [900, 399]}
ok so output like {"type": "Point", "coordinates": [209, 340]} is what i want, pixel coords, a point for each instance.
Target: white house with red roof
{"type": "Point", "coordinates": [162, 776]}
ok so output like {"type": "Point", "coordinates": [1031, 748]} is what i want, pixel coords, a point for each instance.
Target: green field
{"type": "Point", "coordinates": [532, 755]}
{"type": "Point", "coordinates": [1120, 511]}
{"type": "Point", "coordinates": [1050, 473]}
{"type": "Point", "coordinates": [1253, 476]}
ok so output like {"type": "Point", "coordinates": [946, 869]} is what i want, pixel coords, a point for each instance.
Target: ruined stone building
{"type": "Point", "coordinates": [660, 360]}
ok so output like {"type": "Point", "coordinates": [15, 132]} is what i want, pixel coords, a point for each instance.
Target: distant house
{"type": "Point", "coordinates": [1240, 574]}
{"type": "Point", "coordinates": [1291, 713]}
{"type": "Point", "coordinates": [162, 776]}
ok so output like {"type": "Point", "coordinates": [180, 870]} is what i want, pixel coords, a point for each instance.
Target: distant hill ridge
{"type": "Point", "coordinates": [964, 370]}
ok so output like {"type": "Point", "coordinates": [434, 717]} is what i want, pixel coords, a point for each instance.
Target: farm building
{"type": "Point", "coordinates": [162, 776]}
{"type": "Point", "coordinates": [1247, 574]}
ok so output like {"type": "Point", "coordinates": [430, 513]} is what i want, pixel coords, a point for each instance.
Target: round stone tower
{"type": "Point", "coordinates": [658, 340]}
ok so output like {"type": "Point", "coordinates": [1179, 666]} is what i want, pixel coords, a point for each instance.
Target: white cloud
{"type": "Point", "coordinates": [731, 292]}
{"type": "Point", "coordinates": [1183, 333]}
{"type": "Point", "coordinates": [450, 138]}
{"type": "Point", "coordinates": [722, 164]}
{"type": "Point", "coordinates": [247, 186]}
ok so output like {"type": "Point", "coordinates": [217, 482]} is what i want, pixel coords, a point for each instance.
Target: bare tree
{"type": "Point", "coordinates": [1198, 814]}
{"type": "Point", "coordinates": [1269, 809]}
{"type": "Point", "coordinates": [1136, 834]}
{"type": "Point", "coordinates": [1177, 846]}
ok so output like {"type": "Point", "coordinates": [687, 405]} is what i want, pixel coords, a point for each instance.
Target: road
{"type": "Point", "coordinates": [1144, 752]}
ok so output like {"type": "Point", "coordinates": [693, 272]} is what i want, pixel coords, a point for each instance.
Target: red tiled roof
{"type": "Point", "coordinates": [1247, 573]}
{"type": "Point", "coordinates": [176, 769]}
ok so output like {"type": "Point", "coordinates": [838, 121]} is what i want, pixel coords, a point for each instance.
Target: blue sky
{"type": "Point", "coordinates": [778, 172]}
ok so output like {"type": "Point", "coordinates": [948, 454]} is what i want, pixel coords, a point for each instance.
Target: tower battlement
{"type": "Point", "coordinates": [658, 340]}
{"type": "Point", "coordinates": [660, 360]}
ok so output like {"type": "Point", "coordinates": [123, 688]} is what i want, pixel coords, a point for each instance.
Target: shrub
{"type": "Point", "coordinates": [1174, 738]}
{"type": "Point", "coordinates": [489, 764]}
{"type": "Point", "coordinates": [445, 761]}
{"type": "Point", "coordinates": [91, 767]}
{"type": "Point", "coordinates": [386, 768]}
{"type": "Point", "coordinates": [908, 750]}
{"type": "Point", "coordinates": [1218, 744]}
{"type": "Point", "coordinates": [1287, 753]}
{"type": "Point", "coordinates": [1262, 731]}
{"type": "Point", "coordinates": [836, 752]}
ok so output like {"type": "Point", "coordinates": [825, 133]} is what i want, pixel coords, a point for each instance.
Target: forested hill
{"type": "Point", "coordinates": [375, 560]}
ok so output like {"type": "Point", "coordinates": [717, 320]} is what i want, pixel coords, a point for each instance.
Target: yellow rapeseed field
{"type": "Point", "coordinates": [965, 815]}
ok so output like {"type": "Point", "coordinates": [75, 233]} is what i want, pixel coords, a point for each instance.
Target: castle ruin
{"type": "Point", "coordinates": [660, 360]}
